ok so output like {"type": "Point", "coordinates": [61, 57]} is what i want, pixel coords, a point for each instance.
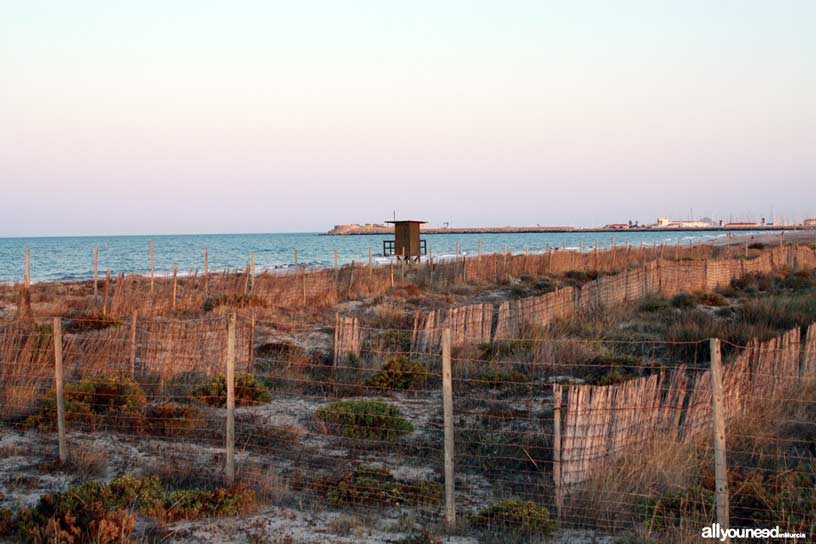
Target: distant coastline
{"type": "Point", "coordinates": [352, 230]}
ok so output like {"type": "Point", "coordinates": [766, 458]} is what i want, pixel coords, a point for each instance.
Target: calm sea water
{"type": "Point", "coordinates": [71, 258]}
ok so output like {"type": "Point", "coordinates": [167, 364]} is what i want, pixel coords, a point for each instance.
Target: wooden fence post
{"type": "Point", "coordinates": [175, 285]}
{"type": "Point", "coordinates": [303, 274]}
{"type": "Point", "coordinates": [458, 248]}
{"type": "Point", "coordinates": [720, 465]}
{"type": "Point", "coordinates": [152, 267]}
{"type": "Point", "coordinates": [251, 348]}
{"type": "Point", "coordinates": [107, 292]}
{"type": "Point", "coordinates": [58, 387]}
{"type": "Point", "coordinates": [559, 497]}
{"type": "Point", "coordinates": [96, 275]}
{"type": "Point", "coordinates": [351, 277]}
{"type": "Point", "coordinates": [447, 408]}
{"type": "Point", "coordinates": [133, 345]}
{"type": "Point", "coordinates": [252, 272]}
{"type": "Point", "coordinates": [337, 275]}
{"type": "Point", "coordinates": [430, 265]}
{"type": "Point", "coordinates": [229, 469]}
{"type": "Point", "coordinates": [479, 250]}
{"type": "Point", "coordinates": [206, 270]}
{"type": "Point", "coordinates": [27, 280]}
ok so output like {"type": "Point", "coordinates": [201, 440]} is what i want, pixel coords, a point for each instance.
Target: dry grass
{"type": "Point", "coordinates": [87, 462]}
{"type": "Point", "coordinates": [269, 487]}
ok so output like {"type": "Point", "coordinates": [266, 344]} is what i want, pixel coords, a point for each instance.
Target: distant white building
{"type": "Point", "coordinates": [666, 223]}
{"type": "Point", "coordinates": [810, 223]}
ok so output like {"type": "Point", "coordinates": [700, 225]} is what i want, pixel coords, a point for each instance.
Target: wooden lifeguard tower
{"type": "Point", "coordinates": [406, 243]}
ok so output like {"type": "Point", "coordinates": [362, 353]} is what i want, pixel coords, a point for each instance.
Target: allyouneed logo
{"type": "Point", "coordinates": [716, 531]}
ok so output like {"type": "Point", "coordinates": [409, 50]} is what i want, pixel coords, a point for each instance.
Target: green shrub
{"type": "Point", "coordinates": [754, 282]}
{"type": "Point", "coordinates": [653, 303]}
{"type": "Point", "coordinates": [364, 419]}
{"type": "Point", "coordinates": [94, 404]}
{"type": "Point", "coordinates": [525, 517]}
{"type": "Point", "coordinates": [518, 291]}
{"type": "Point", "coordinates": [191, 504]}
{"type": "Point", "coordinates": [580, 277]}
{"type": "Point", "coordinates": [368, 485]}
{"type": "Point", "coordinates": [103, 513]}
{"type": "Point", "coordinates": [798, 281]}
{"type": "Point", "coordinates": [400, 373]}
{"type": "Point", "coordinates": [709, 299]}
{"type": "Point", "coordinates": [248, 391]}
{"type": "Point", "coordinates": [778, 313]}
{"type": "Point", "coordinates": [173, 419]}
{"type": "Point", "coordinates": [672, 510]}
{"type": "Point", "coordinates": [497, 378]}
{"type": "Point", "coordinates": [544, 286]}
{"type": "Point", "coordinates": [683, 301]}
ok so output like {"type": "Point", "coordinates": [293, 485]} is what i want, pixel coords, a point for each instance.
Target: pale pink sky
{"type": "Point", "coordinates": [180, 117]}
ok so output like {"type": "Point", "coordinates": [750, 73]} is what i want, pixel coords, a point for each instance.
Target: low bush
{"type": "Point", "coordinates": [370, 419]}
{"type": "Point", "coordinates": [494, 377]}
{"type": "Point", "coordinates": [79, 323]}
{"type": "Point", "coordinates": [653, 303]}
{"type": "Point", "coordinates": [754, 282]}
{"type": "Point", "coordinates": [709, 299]}
{"type": "Point", "coordinates": [173, 419]}
{"type": "Point", "coordinates": [799, 280]}
{"type": "Point", "coordinates": [248, 391]}
{"type": "Point", "coordinates": [683, 301]}
{"type": "Point", "coordinates": [580, 277]}
{"type": "Point", "coordinates": [104, 513]}
{"type": "Point", "coordinates": [367, 485]}
{"type": "Point", "coordinates": [94, 404]}
{"type": "Point", "coordinates": [240, 301]}
{"type": "Point", "coordinates": [400, 373]}
{"type": "Point", "coordinates": [191, 504]}
{"type": "Point", "coordinates": [521, 516]}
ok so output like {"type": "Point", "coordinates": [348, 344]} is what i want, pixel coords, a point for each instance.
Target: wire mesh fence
{"type": "Point", "coordinates": [461, 415]}
{"type": "Point", "coordinates": [366, 429]}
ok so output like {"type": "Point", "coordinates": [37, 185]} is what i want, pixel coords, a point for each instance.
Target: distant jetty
{"type": "Point", "coordinates": [347, 230]}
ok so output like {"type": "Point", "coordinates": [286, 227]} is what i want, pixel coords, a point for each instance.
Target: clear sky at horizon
{"type": "Point", "coordinates": [256, 116]}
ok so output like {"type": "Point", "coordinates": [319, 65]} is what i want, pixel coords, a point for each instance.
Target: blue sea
{"type": "Point", "coordinates": [71, 258]}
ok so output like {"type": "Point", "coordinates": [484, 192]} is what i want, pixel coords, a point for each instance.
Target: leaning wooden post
{"type": "Point", "coordinates": [252, 272]}
{"type": "Point", "coordinates": [479, 250]}
{"type": "Point", "coordinates": [303, 273]}
{"type": "Point", "coordinates": [175, 285]}
{"type": "Point", "coordinates": [229, 469]}
{"type": "Point", "coordinates": [133, 345]}
{"type": "Point", "coordinates": [447, 408]}
{"type": "Point", "coordinates": [58, 387]}
{"type": "Point", "coordinates": [96, 275]}
{"type": "Point", "coordinates": [430, 265]}
{"type": "Point", "coordinates": [720, 466]}
{"type": "Point", "coordinates": [107, 292]}
{"type": "Point", "coordinates": [206, 269]}
{"type": "Point", "coordinates": [27, 268]}
{"type": "Point", "coordinates": [251, 347]}
{"type": "Point", "coordinates": [559, 497]}
{"type": "Point", "coordinates": [152, 267]}
{"type": "Point", "coordinates": [458, 249]}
